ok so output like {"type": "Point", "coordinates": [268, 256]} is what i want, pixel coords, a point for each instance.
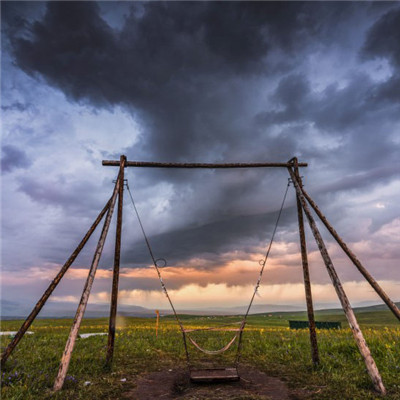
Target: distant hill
{"type": "Point", "coordinates": [373, 316]}
{"type": "Point", "coordinates": [67, 310]}
{"type": "Point", "coordinates": [255, 309]}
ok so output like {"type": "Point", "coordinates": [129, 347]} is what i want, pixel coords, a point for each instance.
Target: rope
{"type": "Point", "coordinates": [214, 352]}
{"type": "Point", "coordinates": [158, 271]}
{"type": "Point", "coordinates": [243, 322]}
{"type": "Point", "coordinates": [141, 226]}
{"type": "Point", "coordinates": [263, 263]}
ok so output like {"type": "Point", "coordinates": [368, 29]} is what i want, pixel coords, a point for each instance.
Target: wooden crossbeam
{"type": "Point", "coordinates": [148, 164]}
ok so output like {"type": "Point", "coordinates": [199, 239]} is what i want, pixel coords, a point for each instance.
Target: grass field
{"type": "Point", "coordinates": [268, 344]}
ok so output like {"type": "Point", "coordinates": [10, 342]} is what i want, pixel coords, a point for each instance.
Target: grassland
{"type": "Point", "coordinates": [268, 344]}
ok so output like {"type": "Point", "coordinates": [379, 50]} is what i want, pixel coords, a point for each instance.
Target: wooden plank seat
{"type": "Point", "coordinates": [214, 375]}
{"type": "Point", "coordinates": [212, 329]}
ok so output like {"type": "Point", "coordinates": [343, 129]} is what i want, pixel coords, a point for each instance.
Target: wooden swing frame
{"type": "Point", "coordinates": [303, 203]}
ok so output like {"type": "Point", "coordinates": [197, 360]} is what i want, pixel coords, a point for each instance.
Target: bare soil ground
{"type": "Point", "coordinates": [175, 384]}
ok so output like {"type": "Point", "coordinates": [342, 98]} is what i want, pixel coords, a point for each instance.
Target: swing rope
{"type": "Point", "coordinates": [264, 261]}
{"type": "Point", "coordinates": [158, 272]}
{"type": "Point", "coordinates": [263, 264]}
{"type": "Point", "coordinates": [214, 352]}
{"type": "Point", "coordinates": [244, 320]}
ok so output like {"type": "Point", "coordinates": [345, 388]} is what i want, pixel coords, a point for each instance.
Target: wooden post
{"type": "Point", "coordinates": [157, 321]}
{"type": "Point", "coordinates": [66, 358]}
{"type": "Point", "coordinates": [117, 257]}
{"type": "Point", "coordinates": [306, 274]}
{"type": "Point", "coordinates": [39, 305]}
{"type": "Point", "coordinates": [354, 259]}
{"type": "Point", "coordinates": [149, 164]}
{"type": "Point", "coordinates": [351, 318]}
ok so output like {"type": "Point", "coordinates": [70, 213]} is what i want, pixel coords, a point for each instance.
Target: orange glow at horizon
{"type": "Point", "coordinates": [199, 281]}
{"type": "Point", "coordinates": [220, 295]}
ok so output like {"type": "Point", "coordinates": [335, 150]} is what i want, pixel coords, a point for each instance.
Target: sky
{"type": "Point", "coordinates": [199, 82]}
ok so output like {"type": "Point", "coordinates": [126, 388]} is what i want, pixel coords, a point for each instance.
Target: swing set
{"type": "Point", "coordinates": [209, 374]}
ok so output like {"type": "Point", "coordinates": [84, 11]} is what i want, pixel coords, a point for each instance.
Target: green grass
{"type": "Point", "coordinates": [365, 318]}
{"type": "Point", "coordinates": [267, 344]}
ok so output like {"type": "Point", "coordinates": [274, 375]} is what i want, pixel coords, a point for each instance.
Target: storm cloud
{"type": "Point", "coordinates": [205, 82]}
{"type": "Point", "coordinates": [13, 157]}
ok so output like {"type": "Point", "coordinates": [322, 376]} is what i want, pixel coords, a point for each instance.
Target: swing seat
{"type": "Point", "coordinates": [214, 375]}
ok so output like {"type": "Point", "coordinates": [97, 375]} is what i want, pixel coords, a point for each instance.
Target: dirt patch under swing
{"type": "Point", "coordinates": [175, 384]}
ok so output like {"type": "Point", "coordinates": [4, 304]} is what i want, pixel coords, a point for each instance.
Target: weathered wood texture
{"type": "Point", "coordinates": [66, 358]}
{"type": "Point", "coordinates": [117, 257]}
{"type": "Point", "coordinates": [214, 375]}
{"type": "Point", "coordinates": [306, 275]}
{"type": "Point", "coordinates": [25, 326]}
{"type": "Point", "coordinates": [351, 318]}
{"type": "Point", "coordinates": [115, 163]}
{"type": "Point", "coordinates": [354, 259]}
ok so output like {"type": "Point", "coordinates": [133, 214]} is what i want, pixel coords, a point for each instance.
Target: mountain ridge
{"type": "Point", "coordinates": [65, 310]}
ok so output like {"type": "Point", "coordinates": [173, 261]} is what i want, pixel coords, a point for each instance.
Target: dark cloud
{"type": "Point", "coordinates": [335, 109]}
{"type": "Point", "coordinates": [351, 116]}
{"type": "Point", "coordinates": [76, 40]}
{"type": "Point", "coordinates": [356, 181]}
{"type": "Point", "coordinates": [221, 81]}
{"type": "Point", "coordinates": [292, 94]}
{"type": "Point", "coordinates": [17, 106]}
{"type": "Point", "coordinates": [181, 70]}
{"type": "Point", "coordinates": [210, 241]}
{"type": "Point", "coordinates": [59, 193]}
{"type": "Point", "coordinates": [389, 91]}
{"type": "Point", "coordinates": [382, 41]}
{"type": "Point", "coordinates": [177, 65]}
{"type": "Point", "coordinates": [384, 36]}
{"type": "Point", "coordinates": [13, 158]}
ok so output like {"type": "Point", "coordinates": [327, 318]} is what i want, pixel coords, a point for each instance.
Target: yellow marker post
{"type": "Point", "coordinates": [157, 321]}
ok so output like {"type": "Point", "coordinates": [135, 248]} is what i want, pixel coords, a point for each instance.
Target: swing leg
{"type": "Point", "coordinates": [25, 326]}
{"type": "Point", "coordinates": [351, 318]}
{"type": "Point", "coordinates": [306, 274]}
{"type": "Point", "coordinates": [114, 294]}
{"type": "Point", "coordinates": [392, 306]}
{"type": "Point", "coordinates": [66, 357]}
